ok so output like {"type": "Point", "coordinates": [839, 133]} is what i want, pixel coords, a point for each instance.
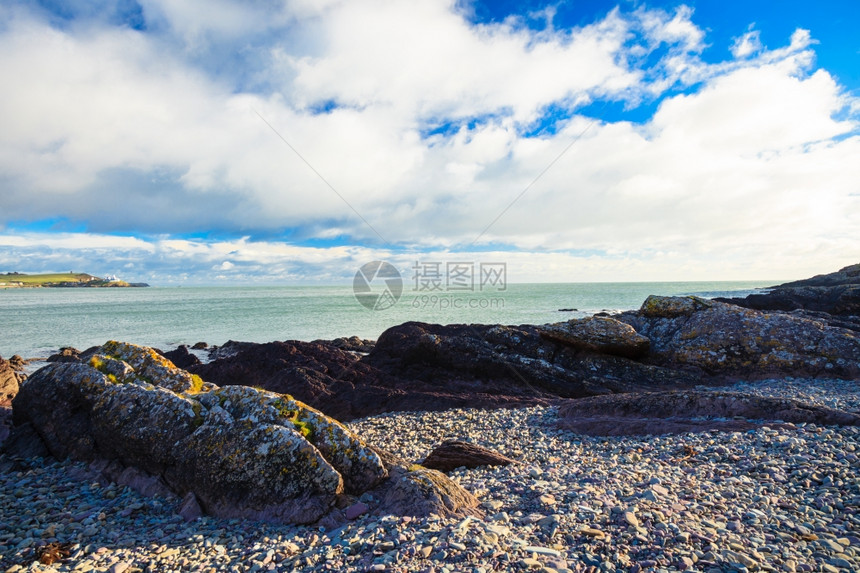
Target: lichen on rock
{"type": "Point", "coordinates": [598, 334]}
{"type": "Point", "coordinates": [243, 452]}
{"type": "Point", "coordinates": [723, 339]}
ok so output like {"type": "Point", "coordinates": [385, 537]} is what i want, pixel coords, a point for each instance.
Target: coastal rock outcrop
{"type": "Point", "coordinates": [837, 294]}
{"type": "Point", "coordinates": [8, 383]}
{"type": "Point", "coordinates": [8, 390]}
{"type": "Point", "coordinates": [242, 452]}
{"type": "Point", "coordinates": [690, 411]}
{"type": "Point", "coordinates": [418, 366]}
{"type": "Point", "coordinates": [720, 339]}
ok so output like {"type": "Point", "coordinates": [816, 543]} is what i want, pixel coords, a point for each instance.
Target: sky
{"type": "Point", "coordinates": [265, 142]}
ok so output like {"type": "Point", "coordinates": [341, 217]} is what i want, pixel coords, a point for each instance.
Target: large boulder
{"type": "Point", "coordinates": [835, 293]}
{"type": "Point", "coordinates": [599, 334]}
{"type": "Point", "coordinates": [690, 411]}
{"type": "Point", "coordinates": [241, 451]}
{"type": "Point", "coordinates": [720, 339]}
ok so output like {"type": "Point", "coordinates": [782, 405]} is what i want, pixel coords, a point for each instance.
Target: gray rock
{"type": "Point", "coordinates": [720, 340]}
{"type": "Point", "coordinates": [598, 334]}
{"type": "Point", "coordinates": [238, 451]}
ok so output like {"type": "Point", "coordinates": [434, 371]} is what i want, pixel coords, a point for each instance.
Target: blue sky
{"type": "Point", "coordinates": [225, 142]}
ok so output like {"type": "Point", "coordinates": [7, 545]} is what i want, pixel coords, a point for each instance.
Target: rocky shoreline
{"type": "Point", "coordinates": [611, 448]}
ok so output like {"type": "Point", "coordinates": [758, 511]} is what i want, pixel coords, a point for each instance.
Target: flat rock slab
{"type": "Point", "coordinates": [455, 453]}
{"type": "Point", "coordinates": [690, 411]}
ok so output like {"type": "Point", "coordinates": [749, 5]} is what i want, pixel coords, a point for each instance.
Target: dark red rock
{"type": "Point", "coordinates": [5, 423]}
{"type": "Point", "coordinates": [181, 357]}
{"type": "Point", "coordinates": [453, 454]}
{"type": "Point", "coordinates": [190, 508]}
{"type": "Point", "coordinates": [690, 411]}
{"type": "Point", "coordinates": [425, 367]}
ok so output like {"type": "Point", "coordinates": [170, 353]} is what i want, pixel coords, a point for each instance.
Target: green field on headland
{"type": "Point", "coordinates": [62, 280]}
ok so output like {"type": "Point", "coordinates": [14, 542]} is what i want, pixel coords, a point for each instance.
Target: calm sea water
{"type": "Point", "coordinates": [36, 322]}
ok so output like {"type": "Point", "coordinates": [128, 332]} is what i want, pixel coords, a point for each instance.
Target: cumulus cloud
{"type": "Point", "coordinates": [422, 123]}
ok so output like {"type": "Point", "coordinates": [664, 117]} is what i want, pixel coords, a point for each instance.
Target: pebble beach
{"type": "Point", "coordinates": [785, 498]}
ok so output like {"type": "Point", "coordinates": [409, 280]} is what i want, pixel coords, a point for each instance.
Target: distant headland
{"type": "Point", "coordinates": [63, 280]}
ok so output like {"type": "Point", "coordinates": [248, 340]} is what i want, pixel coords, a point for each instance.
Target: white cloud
{"type": "Point", "coordinates": [747, 45]}
{"type": "Point", "coordinates": [115, 129]}
{"type": "Point", "coordinates": [171, 262]}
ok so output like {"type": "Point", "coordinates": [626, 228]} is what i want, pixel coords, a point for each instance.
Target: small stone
{"type": "Point", "coordinates": [737, 557]}
{"type": "Point", "coordinates": [357, 509]}
{"type": "Point", "coordinates": [831, 545]}
{"type": "Point", "coordinates": [119, 567]}
{"type": "Point", "coordinates": [541, 551]}
{"type": "Point", "coordinates": [659, 490]}
{"type": "Point", "coordinates": [592, 532]}
{"type": "Point", "coordinates": [631, 518]}
{"type": "Point", "coordinates": [841, 563]}
{"type": "Point", "coordinates": [426, 551]}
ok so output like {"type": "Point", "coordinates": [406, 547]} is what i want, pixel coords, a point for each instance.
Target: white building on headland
{"type": "Point", "coordinates": [113, 279]}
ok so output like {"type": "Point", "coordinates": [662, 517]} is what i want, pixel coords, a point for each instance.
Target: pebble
{"type": "Point", "coordinates": [772, 499]}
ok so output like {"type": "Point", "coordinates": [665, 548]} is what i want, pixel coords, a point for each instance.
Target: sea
{"type": "Point", "coordinates": [36, 322]}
